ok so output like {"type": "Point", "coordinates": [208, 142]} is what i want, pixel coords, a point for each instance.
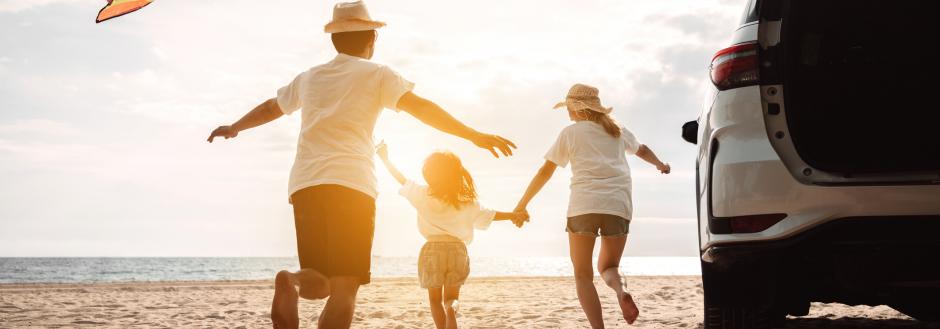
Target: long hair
{"type": "Point", "coordinates": [605, 120]}
{"type": "Point", "coordinates": [448, 180]}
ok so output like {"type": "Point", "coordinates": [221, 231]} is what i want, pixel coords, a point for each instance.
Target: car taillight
{"type": "Point", "coordinates": [736, 66]}
{"type": "Point", "coordinates": [754, 223]}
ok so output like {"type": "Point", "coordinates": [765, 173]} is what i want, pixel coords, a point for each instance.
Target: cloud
{"type": "Point", "coordinates": [37, 126]}
{"type": "Point", "coordinates": [709, 26]}
{"type": "Point", "coordinates": [21, 5]}
{"type": "Point", "coordinates": [116, 116]}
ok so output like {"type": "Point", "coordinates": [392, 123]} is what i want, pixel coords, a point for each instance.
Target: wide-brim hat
{"type": "Point", "coordinates": [351, 17]}
{"type": "Point", "coordinates": [583, 97]}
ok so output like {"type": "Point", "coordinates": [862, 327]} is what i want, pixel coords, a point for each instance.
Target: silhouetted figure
{"type": "Point", "coordinates": [332, 183]}
{"type": "Point", "coordinates": [601, 195]}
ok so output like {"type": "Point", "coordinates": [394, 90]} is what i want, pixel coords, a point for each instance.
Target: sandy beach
{"type": "Point", "coordinates": [666, 302]}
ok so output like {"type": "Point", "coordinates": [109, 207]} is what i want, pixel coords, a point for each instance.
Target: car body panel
{"type": "Point", "coordinates": [849, 238]}
{"type": "Point", "coordinates": [748, 177]}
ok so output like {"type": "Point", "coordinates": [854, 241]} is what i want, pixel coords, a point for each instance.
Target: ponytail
{"type": "Point", "coordinates": [605, 120]}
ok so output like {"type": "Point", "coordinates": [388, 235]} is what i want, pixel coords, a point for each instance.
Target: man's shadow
{"type": "Point", "coordinates": [854, 323]}
{"type": "Point", "coordinates": [859, 323]}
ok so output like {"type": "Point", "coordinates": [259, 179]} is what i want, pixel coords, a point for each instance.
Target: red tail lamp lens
{"type": "Point", "coordinates": [754, 223]}
{"type": "Point", "coordinates": [736, 66]}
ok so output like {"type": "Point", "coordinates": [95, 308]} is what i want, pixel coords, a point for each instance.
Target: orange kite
{"type": "Point", "coordinates": [116, 8]}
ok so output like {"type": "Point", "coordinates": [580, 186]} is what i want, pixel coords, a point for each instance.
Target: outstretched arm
{"type": "Point", "coordinates": [261, 114]}
{"type": "Point", "coordinates": [545, 173]}
{"type": "Point", "coordinates": [382, 151]}
{"type": "Point", "coordinates": [518, 218]}
{"type": "Point", "coordinates": [647, 155]}
{"type": "Point", "coordinates": [435, 116]}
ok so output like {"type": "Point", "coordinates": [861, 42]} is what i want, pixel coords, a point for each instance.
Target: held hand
{"type": "Point", "coordinates": [518, 221]}
{"type": "Point", "coordinates": [494, 143]}
{"type": "Point", "coordinates": [520, 217]}
{"type": "Point", "coordinates": [664, 168]}
{"type": "Point", "coordinates": [382, 150]}
{"type": "Point", "coordinates": [223, 131]}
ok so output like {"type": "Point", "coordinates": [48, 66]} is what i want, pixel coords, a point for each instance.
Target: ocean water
{"type": "Point", "coordinates": [84, 270]}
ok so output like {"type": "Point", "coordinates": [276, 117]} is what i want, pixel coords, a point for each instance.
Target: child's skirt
{"type": "Point", "coordinates": [443, 262]}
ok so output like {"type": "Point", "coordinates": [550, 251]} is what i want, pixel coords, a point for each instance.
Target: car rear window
{"type": "Point", "coordinates": [750, 12]}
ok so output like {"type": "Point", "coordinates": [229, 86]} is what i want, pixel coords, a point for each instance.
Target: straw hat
{"type": "Point", "coordinates": [584, 97]}
{"type": "Point", "coordinates": [351, 17]}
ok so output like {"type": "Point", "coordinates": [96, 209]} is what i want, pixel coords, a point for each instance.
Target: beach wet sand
{"type": "Point", "coordinates": [531, 302]}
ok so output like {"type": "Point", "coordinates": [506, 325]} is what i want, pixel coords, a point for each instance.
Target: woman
{"type": "Point", "coordinates": [600, 202]}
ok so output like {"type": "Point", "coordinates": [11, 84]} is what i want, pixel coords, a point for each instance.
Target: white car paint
{"type": "Point", "coordinates": [749, 177]}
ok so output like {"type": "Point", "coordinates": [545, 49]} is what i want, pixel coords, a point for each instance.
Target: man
{"type": "Point", "coordinates": [332, 183]}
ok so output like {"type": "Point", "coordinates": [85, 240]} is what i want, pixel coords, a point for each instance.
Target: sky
{"type": "Point", "coordinates": [103, 127]}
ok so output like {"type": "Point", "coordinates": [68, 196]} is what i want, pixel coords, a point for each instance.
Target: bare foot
{"type": "Point", "coordinates": [628, 307]}
{"type": "Point", "coordinates": [284, 306]}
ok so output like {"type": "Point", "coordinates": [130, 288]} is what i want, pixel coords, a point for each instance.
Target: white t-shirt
{"type": "Point", "coordinates": [601, 182]}
{"type": "Point", "coordinates": [438, 218]}
{"type": "Point", "coordinates": [341, 102]}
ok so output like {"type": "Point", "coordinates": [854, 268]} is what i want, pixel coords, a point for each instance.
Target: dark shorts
{"type": "Point", "coordinates": [335, 226]}
{"type": "Point", "coordinates": [604, 225]}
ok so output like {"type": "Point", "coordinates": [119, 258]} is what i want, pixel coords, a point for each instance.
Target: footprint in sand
{"type": "Point", "coordinates": [378, 315]}
{"type": "Point", "coordinates": [215, 316]}
{"type": "Point", "coordinates": [551, 321]}
{"type": "Point", "coordinates": [10, 309]}
{"type": "Point", "coordinates": [240, 311]}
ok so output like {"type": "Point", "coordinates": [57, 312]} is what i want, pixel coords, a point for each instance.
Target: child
{"type": "Point", "coordinates": [332, 185]}
{"type": "Point", "coordinates": [448, 212]}
{"type": "Point", "coordinates": [600, 203]}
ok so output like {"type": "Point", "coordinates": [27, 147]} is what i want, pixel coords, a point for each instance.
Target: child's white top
{"type": "Point", "coordinates": [601, 181]}
{"type": "Point", "coordinates": [438, 218]}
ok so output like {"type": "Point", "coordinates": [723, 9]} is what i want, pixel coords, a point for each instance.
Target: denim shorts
{"type": "Point", "coordinates": [609, 226]}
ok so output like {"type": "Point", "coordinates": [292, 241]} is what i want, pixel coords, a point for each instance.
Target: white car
{"type": "Point", "coordinates": [818, 171]}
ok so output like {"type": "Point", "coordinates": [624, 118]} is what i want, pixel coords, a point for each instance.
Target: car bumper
{"type": "Point", "coordinates": [857, 260]}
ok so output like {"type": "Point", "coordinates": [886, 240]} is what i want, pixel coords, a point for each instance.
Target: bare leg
{"type": "Point", "coordinates": [581, 249]}
{"type": "Point", "coordinates": [437, 307]}
{"type": "Point", "coordinates": [451, 305]}
{"type": "Point", "coordinates": [608, 264]}
{"type": "Point", "coordinates": [313, 285]}
{"type": "Point", "coordinates": [339, 309]}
